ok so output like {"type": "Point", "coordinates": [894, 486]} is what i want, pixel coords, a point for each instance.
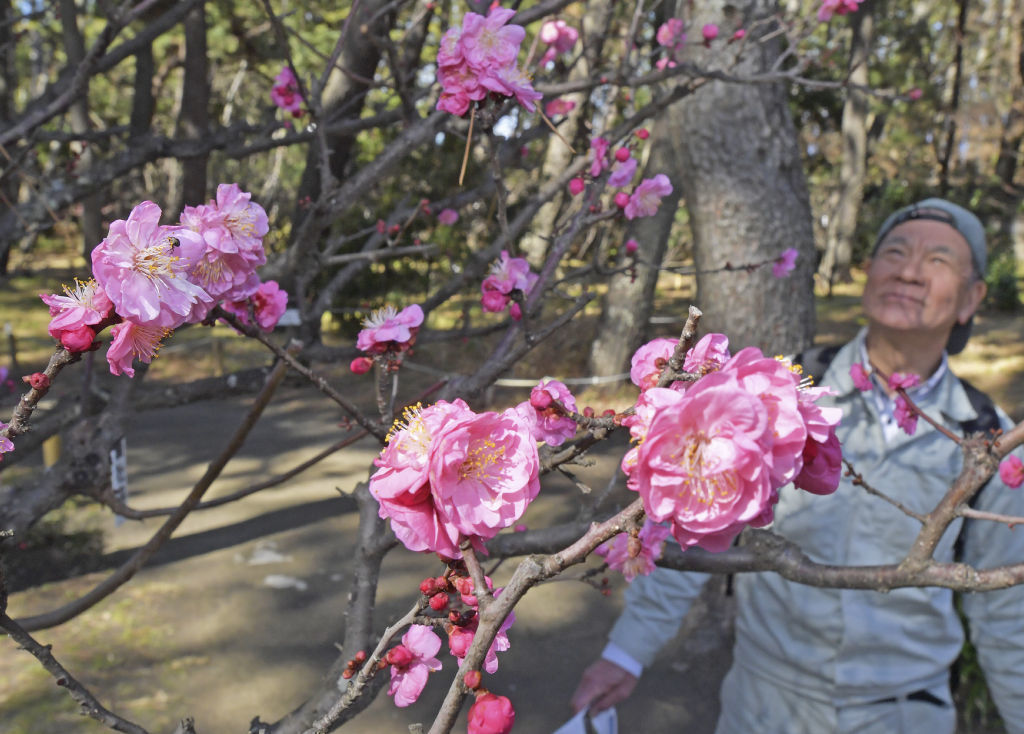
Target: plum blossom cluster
{"type": "Point", "coordinates": [836, 7]}
{"type": "Point", "coordinates": [560, 37]}
{"type": "Point", "coordinates": [285, 92]}
{"type": "Point", "coordinates": [903, 412]}
{"type": "Point", "coordinates": [713, 453]}
{"type": "Point", "coordinates": [643, 199]}
{"type": "Point", "coordinates": [671, 36]}
{"type": "Point", "coordinates": [449, 475]}
{"type": "Point", "coordinates": [634, 554]}
{"type": "Point", "coordinates": [387, 333]}
{"type": "Point", "coordinates": [480, 59]}
{"type": "Point", "coordinates": [510, 278]}
{"type": "Point", "coordinates": [149, 279]}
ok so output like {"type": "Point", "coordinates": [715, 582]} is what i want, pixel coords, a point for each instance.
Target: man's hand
{"type": "Point", "coordinates": [603, 685]}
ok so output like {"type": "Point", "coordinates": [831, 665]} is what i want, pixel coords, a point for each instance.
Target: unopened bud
{"type": "Point", "coordinates": [360, 365]}
{"type": "Point", "coordinates": [399, 656]}
{"type": "Point", "coordinates": [643, 133]}
{"type": "Point", "coordinates": [622, 155]}
{"type": "Point", "coordinates": [631, 247]}
{"type": "Point", "coordinates": [37, 380]}
{"type": "Point", "coordinates": [621, 199]}
{"type": "Point", "coordinates": [540, 399]}
{"type": "Point", "coordinates": [576, 186]}
{"type": "Point", "coordinates": [439, 602]}
{"type": "Point", "coordinates": [428, 586]}
{"type": "Point", "coordinates": [588, 412]}
{"type": "Point", "coordinates": [472, 679]}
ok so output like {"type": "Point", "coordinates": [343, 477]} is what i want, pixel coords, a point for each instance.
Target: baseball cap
{"type": "Point", "coordinates": [964, 222]}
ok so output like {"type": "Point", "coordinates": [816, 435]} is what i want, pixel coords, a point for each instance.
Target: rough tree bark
{"type": "Point", "coordinates": [835, 265]}
{"type": "Point", "coordinates": [745, 190]}
{"type": "Point", "coordinates": [194, 121]}
{"type": "Point", "coordinates": [8, 83]}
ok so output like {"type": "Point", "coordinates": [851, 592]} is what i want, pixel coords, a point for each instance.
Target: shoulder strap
{"type": "Point", "coordinates": [988, 418]}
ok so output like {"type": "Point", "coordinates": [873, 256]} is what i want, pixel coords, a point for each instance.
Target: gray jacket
{"type": "Point", "coordinates": [852, 646]}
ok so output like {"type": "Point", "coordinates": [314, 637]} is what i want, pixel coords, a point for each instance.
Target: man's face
{"type": "Point", "coordinates": [920, 280]}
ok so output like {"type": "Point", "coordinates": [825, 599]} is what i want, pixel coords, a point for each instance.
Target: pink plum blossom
{"type": "Point", "coordinates": [6, 444]}
{"type": "Point", "coordinates": [671, 33]}
{"type": "Point", "coordinates": [709, 32]}
{"type": "Point", "coordinates": [635, 556]}
{"type": "Point", "coordinates": [709, 354]}
{"type": "Point", "coordinates": [646, 197]}
{"type": "Point", "coordinates": [861, 377]}
{"type": "Point", "coordinates": [388, 329]}
{"type": "Point", "coordinates": [483, 471]}
{"type": "Point", "coordinates": [409, 673]}
{"type": "Point", "coordinates": [648, 361]}
{"type": "Point", "coordinates": [491, 714]}
{"type": "Point", "coordinates": [460, 638]}
{"type": "Point", "coordinates": [130, 341]}
{"type": "Point", "coordinates": [401, 484]}
{"type": "Point", "coordinates": [285, 92]}
{"type": "Point", "coordinates": [905, 415]}
{"type": "Point", "coordinates": [906, 381]}
{"type": "Point", "coordinates": [632, 246]}
{"type": "Point", "coordinates": [507, 275]}
{"type": "Point", "coordinates": [560, 37]}
{"type": "Point", "coordinates": [739, 35]}
{"type": "Point", "coordinates": [548, 423]}
{"type": "Point", "coordinates": [448, 217]}
{"type": "Point", "coordinates": [142, 266]}
{"type": "Point", "coordinates": [623, 173]}
{"type": "Point", "coordinates": [1011, 470]}
{"type": "Point", "coordinates": [85, 306]}
{"type": "Point", "coordinates": [559, 106]}
{"type": "Point", "coordinates": [822, 465]}
{"type": "Point", "coordinates": [785, 263]}
{"type": "Point", "coordinates": [269, 304]}
{"type": "Point", "coordinates": [599, 155]}
{"type": "Point", "coordinates": [837, 7]}
{"type": "Point", "coordinates": [576, 186]}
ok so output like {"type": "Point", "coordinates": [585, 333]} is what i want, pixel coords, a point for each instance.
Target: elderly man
{"type": "Point", "coordinates": [810, 660]}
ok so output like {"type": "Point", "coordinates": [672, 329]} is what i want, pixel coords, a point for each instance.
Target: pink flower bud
{"type": "Point", "coordinates": [360, 365]}
{"type": "Point", "coordinates": [428, 586]}
{"type": "Point", "coordinates": [491, 714]}
{"type": "Point", "coordinates": [576, 186]}
{"type": "Point", "coordinates": [382, 226]}
{"type": "Point", "coordinates": [643, 133]}
{"type": "Point", "coordinates": [621, 199]}
{"type": "Point", "coordinates": [439, 602]}
{"type": "Point", "coordinates": [472, 679]}
{"type": "Point", "coordinates": [77, 340]}
{"type": "Point", "coordinates": [493, 301]}
{"type": "Point", "coordinates": [631, 246]}
{"type": "Point", "coordinates": [540, 399]}
{"type": "Point", "coordinates": [1011, 471]}
{"type": "Point", "coordinates": [915, 93]}
{"type": "Point", "coordinates": [515, 312]}
{"type": "Point", "coordinates": [739, 35]}
{"type": "Point", "coordinates": [622, 155]}
{"type": "Point", "coordinates": [37, 380]}
{"type": "Point", "coordinates": [399, 656]}
{"type": "Point", "coordinates": [710, 32]}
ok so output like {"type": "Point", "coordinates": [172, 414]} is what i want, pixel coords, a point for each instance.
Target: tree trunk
{"type": "Point", "coordinates": [8, 84]}
{"type": "Point", "coordinates": [195, 110]}
{"type": "Point", "coordinates": [835, 265]}
{"type": "Point", "coordinates": [745, 190]}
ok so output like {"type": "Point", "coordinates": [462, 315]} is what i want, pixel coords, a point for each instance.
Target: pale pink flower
{"type": "Point", "coordinates": [507, 275]}
{"type": "Point", "coordinates": [143, 268]}
{"type": "Point", "coordinates": [837, 7]}
{"type": "Point", "coordinates": [560, 37]}
{"type": "Point", "coordinates": [460, 638]}
{"type": "Point", "coordinates": [85, 306]}
{"type": "Point", "coordinates": [623, 173]}
{"type": "Point", "coordinates": [513, 82]}
{"type": "Point", "coordinates": [709, 32]}
{"type": "Point", "coordinates": [785, 263]}
{"type": "Point", "coordinates": [489, 41]}
{"type": "Point", "coordinates": [285, 92]}
{"type": "Point", "coordinates": [861, 377]}
{"type": "Point", "coordinates": [707, 355]}
{"type": "Point", "coordinates": [559, 106]}
{"type": "Point", "coordinates": [646, 197]}
{"type": "Point", "coordinates": [491, 714]}
{"type": "Point", "coordinates": [245, 221]}
{"type": "Point", "coordinates": [665, 63]}
{"type": "Point", "coordinates": [483, 471]}
{"type": "Point", "coordinates": [635, 556]}
{"type": "Point", "coordinates": [269, 304]}
{"type": "Point", "coordinates": [905, 381]}
{"type": "Point", "coordinates": [701, 465]}
{"type": "Point", "coordinates": [905, 415]}
{"type": "Point", "coordinates": [409, 678]}
{"type": "Point", "coordinates": [1011, 470]}
{"type": "Point", "coordinates": [448, 217]}
{"type": "Point", "coordinates": [671, 34]}
{"type": "Point", "coordinates": [6, 444]}
{"type": "Point", "coordinates": [648, 361]}
{"type": "Point", "coordinates": [549, 424]}
{"type": "Point", "coordinates": [388, 329]}
{"type": "Point", "coordinates": [822, 465]}
{"type": "Point", "coordinates": [130, 341]}
{"type": "Point", "coordinates": [599, 153]}
{"type": "Point", "coordinates": [401, 483]}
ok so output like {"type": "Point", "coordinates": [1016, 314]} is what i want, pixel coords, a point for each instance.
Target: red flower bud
{"type": "Point", "coordinates": [541, 399]}
{"type": "Point", "coordinates": [643, 133]}
{"type": "Point", "coordinates": [428, 586]}
{"type": "Point", "coordinates": [37, 380]}
{"type": "Point", "coordinates": [576, 186]}
{"type": "Point", "coordinates": [622, 155]}
{"type": "Point", "coordinates": [399, 656]}
{"type": "Point", "coordinates": [360, 656]}
{"type": "Point", "coordinates": [621, 199]}
{"type": "Point", "coordinates": [360, 365]}
{"type": "Point", "coordinates": [588, 412]}
{"type": "Point", "coordinates": [439, 602]}
{"type": "Point", "coordinates": [491, 714]}
{"type": "Point", "coordinates": [631, 246]}
{"type": "Point", "coordinates": [472, 679]}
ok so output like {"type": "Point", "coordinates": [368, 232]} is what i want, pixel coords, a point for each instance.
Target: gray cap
{"type": "Point", "coordinates": [963, 222]}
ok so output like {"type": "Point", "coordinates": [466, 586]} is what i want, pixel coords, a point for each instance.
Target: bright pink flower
{"type": "Point", "coordinates": [460, 638]}
{"type": "Point", "coordinates": [906, 381]}
{"type": "Point", "coordinates": [785, 263]}
{"type": "Point", "coordinates": [621, 199]}
{"type": "Point", "coordinates": [401, 483]}
{"type": "Point", "coordinates": [507, 275]}
{"type": "Point", "coordinates": [6, 444]}
{"type": "Point", "coordinates": [671, 34]}
{"type": "Point", "coordinates": [78, 340]}
{"type": "Point", "coordinates": [409, 678]}
{"type": "Point", "coordinates": [491, 714]}
{"type": "Point", "coordinates": [709, 354]}
{"type": "Point", "coordinates": [576, 186]}
{"type": "Point", "coordinates": [86, 305]}
{"type": "Point", "coordinates": [360, 365]}
{"type": "Point", "coordinates": [560, 38]}
{"type": "Point", "coordinates": [709, 32]}
{"type": "Point", "coordinates": [837, 7]}
{"type": "Point", "coordinates": [142, 267]}
{"type": "Point", "coordinates": [861, 377]}
{"type": "Point", "coordinates": [130, 341]}
{"type": "Point", "coordinates": [285, 92]}
{"type": "Point", "coordinates": [389, 329]}
{"type": "Point", "coordinates": [635, 556]}
{"type": "Point", "coordinates": [623, 173]}
{"type": "Point", "coordinates": [483, 471]}
{"type": "Point", "coordinates": [648, 361]}
{"type": "Point", "coordinates": [739, 35]}
{"type": "Point", "coordinates": [823, 465]}
{"type": "Point", "coordinates": [269, 303]}
{"type": "Point", "coordinates": [493, 301]}
{"type": "Point", "coordinates": [448, 217]}
{"type": "Point", "coordinates": [559, 106]}
{"type": "Point", "coordinates": [702, 464]}
{"type": "Point", "coordinates": [905, 415]}
{"type": "Point", "coordinates": [666, 63]}
{"type": "Point", "coordinates": [647, 196]}
{"type": "Point", "coordinates": [599, 153]}
{"type": "Point", "coordinates": [549, 425]}
{"type": "Point", "coordinates": [513, 82]}
{"type": "Point", "coordinates": [1011, 470]}
{"type": "Point", "coordinates": [631, 246]}
{"type": "Point", "coordinates": [488, 41]}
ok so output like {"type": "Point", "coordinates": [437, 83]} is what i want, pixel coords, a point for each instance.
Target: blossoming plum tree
{"type": "Point", "coordinates": [716, 436]}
